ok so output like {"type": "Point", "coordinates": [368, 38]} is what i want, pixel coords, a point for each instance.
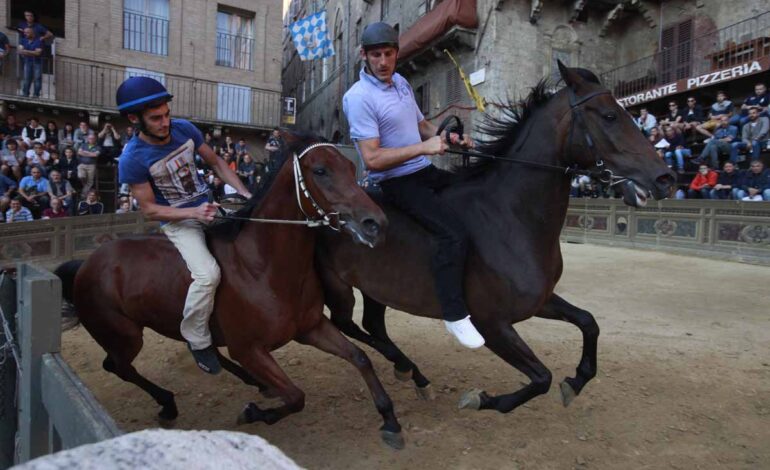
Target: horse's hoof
{"type": "Point", "coordinates": [567, 393]}
{"type": "Point", "coordinates": [393, 439]}
{"type": "Point", "coordinates": [471, 400]}
{"type": "Point", "coordinates": [425, 393]}
{"type": "Point", "coordinates": [166, 423]}
{"type": "Point", "coordinates": [248, 415]}
{"type": "Point", "coordinates": [402, 376]}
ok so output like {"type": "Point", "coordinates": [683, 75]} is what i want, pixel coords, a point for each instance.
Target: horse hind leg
{"type": "Point", "coordinates": [504, 341]}
{"type": "Point", "coordinates": [329, 339]}
{"type": "Point", "coordinates": [341, 301]}
{"type": "Point", "coordinates": [403, 367]}
{"type": "Point", "coordinates": [559, 309]}
{"type": "Point", "coordinates": [120, 355]}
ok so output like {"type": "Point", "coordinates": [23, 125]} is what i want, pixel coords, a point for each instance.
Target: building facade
{"type": "Point", "coordinates": [221, 60]}
{"type": "Point", "coordinates": [509, 45]}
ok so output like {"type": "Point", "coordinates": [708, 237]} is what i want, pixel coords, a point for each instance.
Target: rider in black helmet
{"type": "Point", "coordinates": [159, 166]}
{"type": "Point", "coordinates": [393, 138]}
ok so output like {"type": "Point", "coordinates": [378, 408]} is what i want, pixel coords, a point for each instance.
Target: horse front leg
{"type": "Point", "coordinates": [326, 337]}
{"type": "Point", "coordinates": [504, 341]}
{"type": "Point", "coordinates": [559, 309]}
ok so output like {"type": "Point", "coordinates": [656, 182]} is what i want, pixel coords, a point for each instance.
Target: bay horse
{"type": "Point", "coordinates": [269, 292]}
{"type": "Point", "coordinates": [514, 214]}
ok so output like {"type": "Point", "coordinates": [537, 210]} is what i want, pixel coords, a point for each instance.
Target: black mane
{"type": "Point", "coordinates": [502, 132]}
{"type": "Point", "coordinates": [230, 229]}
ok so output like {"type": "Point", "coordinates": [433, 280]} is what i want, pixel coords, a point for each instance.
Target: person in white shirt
{"type": "Point", "coordinates": [32, 133]}
{"type": "Point", "coordinates": [646, 121]}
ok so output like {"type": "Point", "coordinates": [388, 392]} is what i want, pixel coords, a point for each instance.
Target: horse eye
{"type": "Point", "coordinates": [320, 171]}
{"type": "Point", "coordinates": [610, 116]}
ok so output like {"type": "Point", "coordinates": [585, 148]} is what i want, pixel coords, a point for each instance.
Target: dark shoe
{"type": "Point", "coordinates": [206, 359]}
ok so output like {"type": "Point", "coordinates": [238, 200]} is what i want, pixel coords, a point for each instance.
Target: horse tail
{"type": "Point", "coordinates": [66, 272]}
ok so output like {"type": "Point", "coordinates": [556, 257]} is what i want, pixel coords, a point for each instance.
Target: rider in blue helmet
{"type": "Point", "coordinates": [159, 166]}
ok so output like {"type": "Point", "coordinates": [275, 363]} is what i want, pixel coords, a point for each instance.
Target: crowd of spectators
{"type": "Point", "coordinates": [725, 134]}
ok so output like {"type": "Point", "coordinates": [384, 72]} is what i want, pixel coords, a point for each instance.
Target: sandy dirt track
{"type": "Point", "coordinates": [683, 382]}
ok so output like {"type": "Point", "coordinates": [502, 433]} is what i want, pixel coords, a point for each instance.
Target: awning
{"type": "Point", "coordinates": [435, 23]}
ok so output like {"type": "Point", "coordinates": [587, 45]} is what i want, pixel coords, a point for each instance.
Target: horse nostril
{"type": "Point", "coordinates": [666, 180]}
{"type": "Point", "coordinates": [371, 227]}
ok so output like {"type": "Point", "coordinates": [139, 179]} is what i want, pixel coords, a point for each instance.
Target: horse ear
{"type": "Point", "coordinates": [571, 79]}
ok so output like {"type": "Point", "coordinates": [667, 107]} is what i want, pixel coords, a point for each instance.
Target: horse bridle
{"type": "Point", "coordinates": [327, 219]}
{"type": "Point", "coordinates": [605, 175]}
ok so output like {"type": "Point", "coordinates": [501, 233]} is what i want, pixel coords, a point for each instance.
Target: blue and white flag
{"type": "Point", "coordinates": [311, 38]}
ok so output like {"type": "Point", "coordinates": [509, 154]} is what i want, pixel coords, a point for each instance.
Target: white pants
{"type": "Point", "coordinates": [188, 237]}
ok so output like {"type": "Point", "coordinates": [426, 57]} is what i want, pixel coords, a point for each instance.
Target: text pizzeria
{"type": "Point", "coordinates": [691, 83]}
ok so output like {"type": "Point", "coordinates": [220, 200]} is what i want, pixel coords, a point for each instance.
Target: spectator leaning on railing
{"type": "Point", "coordinates": [755, 184]}
{"type": "Point", "coordinates": [754, 136]}
{"type": "Point", "coordinates": [31, 51]}
{"type": "Point", "coordinates": [728, 183]}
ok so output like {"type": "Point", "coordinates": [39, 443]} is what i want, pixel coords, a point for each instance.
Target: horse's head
{"type": "Point", "coordinates": [330, 182]}
{"type": "Point", "coordinates": [601, 131]}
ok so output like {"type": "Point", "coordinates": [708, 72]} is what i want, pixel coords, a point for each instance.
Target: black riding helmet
{"type": "Point", "coordinates": [379, 34]}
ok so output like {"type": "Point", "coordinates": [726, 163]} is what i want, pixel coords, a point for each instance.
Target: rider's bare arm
{"type": "Point", "coordinates": [224, 171]}
{"type": "Point", "coordinates": [154, 211]}
{"type": "Point", "coordinates": [379, 159]}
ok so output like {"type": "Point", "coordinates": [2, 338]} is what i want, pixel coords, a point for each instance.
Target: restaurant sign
{"type": "Point", "coordinates": [700, 81]}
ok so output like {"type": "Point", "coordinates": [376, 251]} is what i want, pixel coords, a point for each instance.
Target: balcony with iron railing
{"type": "Point", "coordinates": [80, 84]}
{"type": "Point", "coordinates": [235, 51]}
{"type": "Point", "coordinates": [145, 33]}
{"type": "Point", "coordinates": [734, 45]}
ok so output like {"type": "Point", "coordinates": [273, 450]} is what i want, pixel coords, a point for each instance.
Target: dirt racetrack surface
{"type": "Point", "coordinates": [683, 382]}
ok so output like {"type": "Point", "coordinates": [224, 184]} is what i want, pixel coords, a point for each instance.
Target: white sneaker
{"type": "Point", "coordinates": [465, 332]}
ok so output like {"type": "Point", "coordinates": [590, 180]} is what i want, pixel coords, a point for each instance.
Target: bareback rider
{"type": "Point", "coordinates": [393, 139]}
{"type": "Point", "coordinates": [159, 166]}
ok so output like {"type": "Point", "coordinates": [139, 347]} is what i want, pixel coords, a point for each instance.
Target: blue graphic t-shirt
{"type": "Point", "coordinates": [170, 169]}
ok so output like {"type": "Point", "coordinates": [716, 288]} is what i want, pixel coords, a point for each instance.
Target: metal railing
{"type": "Point", "coordinates": [145, 33]}
{"type": "Point", "coordinates": [721, 49]}
{"type": "Point", "coordinates": [235, 51]}
{"type": "Point", "coordinates": [91, 84]}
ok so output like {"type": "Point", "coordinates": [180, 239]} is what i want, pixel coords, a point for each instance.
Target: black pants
{"type": "Point", "coordinates": [417, 196]}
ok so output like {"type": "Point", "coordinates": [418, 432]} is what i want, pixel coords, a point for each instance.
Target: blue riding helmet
{"type": "Point", "coordinates": [137, 93]}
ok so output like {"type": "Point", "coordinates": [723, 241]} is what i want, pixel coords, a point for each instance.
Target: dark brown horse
{"type": "Point", "coordinates": [514, 214]}
{"type": "Point", "coordinates": [269, 294]}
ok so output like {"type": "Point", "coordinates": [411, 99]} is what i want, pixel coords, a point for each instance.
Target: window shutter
{"type": "Point", "coordinates": [666, 61]}
{"type": "Point", "coordinates": [453, 86]}
{"type": "Point", "coordinates": [684, 49]}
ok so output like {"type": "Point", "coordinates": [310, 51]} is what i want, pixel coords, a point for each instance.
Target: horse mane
{"type": "Point", "coordinates": [229, 229]}
{"type": "Point", "coordinates": [503, 131]}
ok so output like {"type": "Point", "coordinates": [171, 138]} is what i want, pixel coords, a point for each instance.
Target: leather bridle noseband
{"type": "Point", "coordinates": [327, 219]}
{"type": "Point", "coordinates": [599, 172]}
